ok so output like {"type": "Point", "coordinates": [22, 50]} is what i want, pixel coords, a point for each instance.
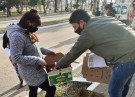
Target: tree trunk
{"type": "Point", "coordinates": [97, 4]}
{"type": "Point", "coordinates": [43, 7]}
{"type": "Point", "coordinates": [61, 6]}
{"type": "Point", "coordinates": [66, 5]}
{"type": "Point", "coordinates": [55, 8]}
{"type": "Point", "coordinates": [77, 4]}
{"type": "Point", "coordinates": [94, 7]}
{"type": "Point", "coordinates": [91, 5]}
{"type": "Point", "coordinates": [71, 5]}
{"type": "Point", "coordinates": [8, 12]}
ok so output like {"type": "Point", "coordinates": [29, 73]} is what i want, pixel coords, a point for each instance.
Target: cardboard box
{"type": "Point", "coordinates": [101, 75]}
{"type": "Point", "coordinates": [95, 61]}
{"type": "Point", "coordinates": [51, 60]}
{"type": "Point", "coordinates": [58, 76]}
{"type": "Point", "coordinates": [86, 93]}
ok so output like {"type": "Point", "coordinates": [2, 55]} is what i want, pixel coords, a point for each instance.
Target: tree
{"type": "Point", "coordinates": [91, 5]}
{"type": "Point", "coordinates": [2, 6]}
{"type": "Point", "coordinates": [76, 5]}
{"type": "Point", "coordinates": [19, 6]}
{"type": "Point", "coordinates": [33, 2]}
{"type": "Point", "coordinates": [17, 3]}
{"type": "Point", "coordinates": [66, 7]}
{"type": "Point", "coordinates": [55, 7]}
{"type": "Point", "coordinates": [71, 5]}
{"type": "Point", "coordinates": [44, 3]}
{"type": "Point", "coordinates": [83, 1]}
{"type": "Point", "coordinates": [94, 6]}
{"type": "Point", "coordinates": [26, 3]}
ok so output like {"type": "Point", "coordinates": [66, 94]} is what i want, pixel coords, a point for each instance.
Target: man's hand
{"type": "Point", "coordinates": [54, 69]}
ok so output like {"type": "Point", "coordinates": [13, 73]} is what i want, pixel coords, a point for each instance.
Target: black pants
{"type": "Point", "coordinates": [50, 90]}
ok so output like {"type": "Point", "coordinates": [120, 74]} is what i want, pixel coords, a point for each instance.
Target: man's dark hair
{"type": "Point", "coordinates": [78, 15]}
{"type": "Point", "coordinates": [112, 11]}
{"type": "Point", "coordinates": [32, 16]}
{"type": "Point", "coordinates": [108, 6]}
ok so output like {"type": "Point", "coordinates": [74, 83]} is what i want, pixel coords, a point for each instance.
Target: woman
{"type": "Point", "coordinates": [27, 54]}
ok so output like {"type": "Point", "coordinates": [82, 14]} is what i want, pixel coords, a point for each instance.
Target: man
{"type": "Point", "coordinates": [109, 11]}
{"type": "Point", "coordinates": [97, 13]}
{"type": "Point", "coordinates": [110, 39]}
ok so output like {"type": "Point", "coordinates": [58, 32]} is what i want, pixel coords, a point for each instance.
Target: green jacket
{"type": "Point", "coordinates": [106, 37]}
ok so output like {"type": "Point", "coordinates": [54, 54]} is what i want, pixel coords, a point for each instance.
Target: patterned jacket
{"type": "Point", "coordinates": [27, 55]}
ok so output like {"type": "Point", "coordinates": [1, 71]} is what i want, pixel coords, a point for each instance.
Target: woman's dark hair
{"type": "Point", "coordinates": [78, 15]}
{"type": "Point", "coordinates": [32, 16]}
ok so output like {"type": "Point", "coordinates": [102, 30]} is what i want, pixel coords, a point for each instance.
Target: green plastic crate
{"type": "Point", "coordinates": [58, 76]}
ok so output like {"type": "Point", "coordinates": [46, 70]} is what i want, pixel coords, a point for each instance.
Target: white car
{"type": "Point", "coordinates": [121, 11]}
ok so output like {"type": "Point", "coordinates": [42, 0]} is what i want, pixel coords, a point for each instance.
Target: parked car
{"type": "Point", "coordinates": [121, 11]}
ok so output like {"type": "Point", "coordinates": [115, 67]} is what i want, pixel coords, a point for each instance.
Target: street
{"type": "Point", "coordinates": [3, 24]}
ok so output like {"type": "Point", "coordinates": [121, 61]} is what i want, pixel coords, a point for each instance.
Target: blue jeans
{"type": "Point", "coordinates": [120, 79]}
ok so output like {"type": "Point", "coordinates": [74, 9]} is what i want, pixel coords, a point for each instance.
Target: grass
{"type": "Point", "coordinates": [54, 22]}
{"type": "Point", "coordinates": [41, 94]}
{"type": "Point", "coordinates": [69, 89]}
{"type": "Point", "coordinates": [16, 16]}
{"type": "Point", "coordinates": [44, 23]}
{"type": "Point", "coordinates": [3, 30]}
